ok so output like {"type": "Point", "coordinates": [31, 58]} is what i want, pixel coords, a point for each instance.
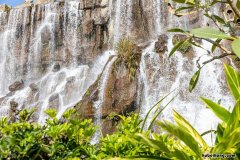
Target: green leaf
{"type": "Point", "coordinates": [158, 113]}
{"type": "Point", "coordinates": [230, 144]}
{"type": "Point", "coordinates": [238, 4]}
{"type": "Point", "coordinates": [194, 80]}
{"type": "Point", "coordinates": [208, 32]}
{"type": "Point", "coordinates": [178, 46]}
{"type": "Point", "coordinates": [218, 110]}
{"type": "Point", "coordinates": [234, 120]}
{"type": "Point", "coordinates": [156, 144]}
{"type": "Point", "coordinates": [233, 80]}
{"type": "Point", "coordinates": [207, 132]}
{"type": "Point", "coordinates": [219, 19]}
{"type": "Point", "coordinates": [184, 8]}
{"type": "Point", "coordinates": [51, 112]}
{"type": "Point", "coordinates": [176, 30]}
{"type": "Point", "coordinates": [183, 123]}
{"type": "Point", "coordinates": [236, 47]}
{"type": "Point", "coordinates": [215, 46]}
{"type": "Point", "coordinates": [157, 105]}
{"type": "Point", "coordinates": [185, 1]}
{"type": "Point", "coordinates": [183, 135]}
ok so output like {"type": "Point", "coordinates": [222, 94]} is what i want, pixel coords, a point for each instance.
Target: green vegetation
{"type": "Point", "coordinates": [128, 56]}
{"type": "Point", "coordinates": [57, 139]}
{"type": "Point", "coordinates": [69, 138]}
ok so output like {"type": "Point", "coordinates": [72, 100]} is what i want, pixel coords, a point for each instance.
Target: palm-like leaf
{"type": "Point", "coordinates": [233, 80]}
{"type": "Point", "coordinates": [183, 135]}
{"type": "Point", "coordinates": [183, 123]}
{"type": "Point", "coordinates": [219, 111]}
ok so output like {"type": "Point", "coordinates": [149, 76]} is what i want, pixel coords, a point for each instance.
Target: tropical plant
{"type": "Point", "coordinates": [128, 56]}
{"type": "Point", "coordinates": [182, 141]}
{"type": "Point", "coordinates": [120, 143]}
{"type": "Point", "coordinates": [223, 30]}
{"type": "Point", "coordinates": [57, 139]}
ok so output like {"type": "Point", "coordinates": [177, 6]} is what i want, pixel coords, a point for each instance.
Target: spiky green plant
{"type": "Point", "coordinates": [127, 55]}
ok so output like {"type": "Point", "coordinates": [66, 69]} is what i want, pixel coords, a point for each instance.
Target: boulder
{"type": "Point", "coordinates": [53, 101]}
{"type": "Point", "coordinates": [161, 44]}
{"type": "Point", "coordinates": [33, 87]}
{"type": "Point", "coordinates": [178, 38]}
{"type": "Point", "coordinates": [18, 85]}
{"type": "Point", "coordinates": [56, 67]}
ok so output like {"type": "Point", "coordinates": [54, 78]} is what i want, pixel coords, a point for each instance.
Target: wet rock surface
{"type": "Point", "coordinates": [16, 86]}
{"type": "Point", "coordinates": [161, 44]}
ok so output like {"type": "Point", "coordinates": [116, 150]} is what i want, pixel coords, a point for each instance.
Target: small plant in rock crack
{"type": "Point", "coordinates": [128, 56]}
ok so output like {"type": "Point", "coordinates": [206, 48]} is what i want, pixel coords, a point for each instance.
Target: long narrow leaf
{"type": "Point", "coordinates": [233, 80]}
{"type": "Point", "coordinates": [156, 144]}
{"type": "Point", "coordinates": [156, 105]}
{"type": "Point", "coordinates": [158, 113]}
{"type": "Point", "coordinates": [194, 80]}
{"type": "Point", "coordinates": [219, 111]}
{"type": "Point", "coordinates": [234, 121]}
{"type": "Point", "coordinates": [182, 135]}
{"type": "Point", "coordinates": [177, 46]}
{"type": "Point", "coordinates": [183, 123]}
{"type": "Point", "coordinates": [236, 47]}
{"type": "Point", "coordinates": [230, 144]}
{"type": "Point", "coordinates": [208, 32]}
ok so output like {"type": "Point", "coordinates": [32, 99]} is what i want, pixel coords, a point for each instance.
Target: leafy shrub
{"type": "Point", "coordinates": [57, 139]}
{"type": "Point", "coordinates": [128, 55]}
{"type": "Point", "coordinates": [121, 144]}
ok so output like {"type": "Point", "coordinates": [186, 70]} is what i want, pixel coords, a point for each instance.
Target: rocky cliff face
{"type": "Point", "coordinates": [61, 54]}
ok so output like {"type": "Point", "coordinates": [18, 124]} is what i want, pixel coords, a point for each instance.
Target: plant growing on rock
{"type": "Point", "coordinates": [128, 55]}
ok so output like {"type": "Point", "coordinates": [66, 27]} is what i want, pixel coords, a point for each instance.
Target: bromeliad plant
{"type": "Point", "coordinates": [182, 141]}
{"type": "Point", "coordinates": [128, 56]}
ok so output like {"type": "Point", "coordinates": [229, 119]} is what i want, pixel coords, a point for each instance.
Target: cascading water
{"type": "Point", "coordinates": [59, 88]}
{"type": "Point", "coordinates": [160, 75]}
{"type": "Point", "coordinates": [98, 104]}
{"type": "Point", "coordinates": [122, 20]}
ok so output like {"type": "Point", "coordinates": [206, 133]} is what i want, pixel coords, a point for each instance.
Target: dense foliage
{"type": "Point", "coordinates": [55, 140]}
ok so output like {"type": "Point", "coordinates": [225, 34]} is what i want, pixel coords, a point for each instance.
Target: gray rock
{"type": "Point", "coordinates": [18, 85]}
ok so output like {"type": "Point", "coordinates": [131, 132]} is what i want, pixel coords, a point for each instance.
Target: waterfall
{"type": "Point", "coordinates": [43, 40]}
{"type": "Point", "coordinates": [122, 20]}
{"type": "Point", "coordinates": [72, 19]}
{"type": "Point", "coordinates": [98, 104]}
{"type": "Point", "coordinates": [160, 75]}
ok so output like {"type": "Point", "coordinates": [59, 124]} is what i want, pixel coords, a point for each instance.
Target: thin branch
{"type": "Point", "coordinates": [225, 50]}
{"type": "Point", "coordinates": [218, 57]}
{"type": "Point", "coordinates": [214, 20]}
